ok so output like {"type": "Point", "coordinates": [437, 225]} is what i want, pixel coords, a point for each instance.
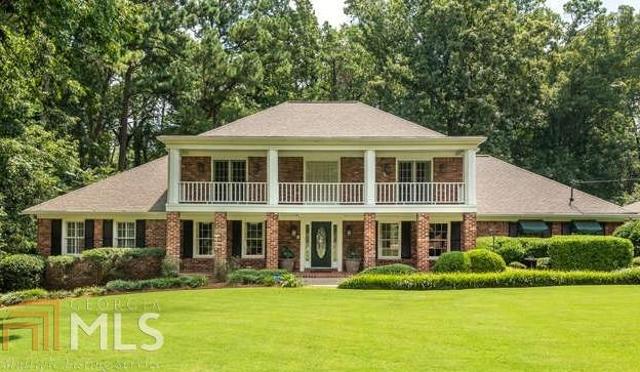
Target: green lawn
{"type": "Point", "coordinates": [561, 328]}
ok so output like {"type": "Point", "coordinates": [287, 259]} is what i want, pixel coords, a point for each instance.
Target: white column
{"type": "Point", "coordinates": [173, 192]}
{"type": "Point", "coordinates": [370, 177]}
{"type": "Point", "coordinates": [272, 176]}
{"type": "Point", "coordinates": [470, 176]}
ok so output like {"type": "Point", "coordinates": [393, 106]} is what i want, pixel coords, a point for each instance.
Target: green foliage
{"type": "Point", "coordinates": [485, 261]}
{"type": "Point", "coordinates": [506, 279]}
{"type": "Point", "coordinates": [630, 230]}
{"type": "Point", "coordinates": [187, 281]}
{"type": "Point", "coordinates": [89, 291]}
{"type": "Point", "coordinates": [399, 269]}
{"type": "Point", "coordinates": [452, 262]}
{"type": "Point", "coordinates": [517, 265]}
{"type": "Point", "coordinates": [512, 250]}
{"type": "Point", "coordinates": [533, 247]}
{"type": "Point", "coordinates": [590, 253]}
{"type": "Point", "coordinates": [543, 263]}
{"type": "Point", "coordinates": [14, 298]}
{"type": "Point", "coordinates": [21, 271]}
{"type": "Point", "coordinates": [289, 280]}
{"type": "Point", "coordinates": [170, 267]}
{"type": "Point", "coordinates": [287, 253]}
{"type": "Point", "coordinates": [63, 261]}
{"type": "Point", "coordinates": [259, 277]}
{"type": "Point", "coordinates": [636, 262]}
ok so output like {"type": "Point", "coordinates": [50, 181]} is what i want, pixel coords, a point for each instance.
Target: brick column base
{"type": "Point", "coordinates": [369, 259]}
{"type": "Point", "coordinates": [422, 241]}
{"type": "Point", "coordinates": [173, 234]}
{"type": "Point", "coordinates": [44, 236]}
{"type": "Point", "coordinates": [272, 241]}
{"type": "Point", "coordinates": [220, 238]}
{"type": "Point", "coordinates": [469, 231]}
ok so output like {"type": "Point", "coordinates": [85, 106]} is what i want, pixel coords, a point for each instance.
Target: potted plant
{"type": "Point", "coordinates": [352, 262]}
{"type": "Point", "coordinates": [287, 259]}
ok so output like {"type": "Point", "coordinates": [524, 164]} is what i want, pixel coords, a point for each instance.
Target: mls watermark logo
{"type": "Point", "coordinates": [102, 319]}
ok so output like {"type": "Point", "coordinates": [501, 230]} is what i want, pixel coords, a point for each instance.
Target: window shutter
{"type": "Point", "coordinates": [236, 238]}
{"type": "Point", "coordinates": [566, 228]}
{"type": "Point", "coordinates": [56, 237]}
{"type": "Point", "coordinates": [88, 234]}
{"type": "Point", "coordinates": [513, 229]}
{"type": "Point", "coordinates": [376, 239]}
{"type": "Point", "coordinates": [187, 239]}
{"type": "Point", "coordinates": [107, 233]}
{"type": "Point", "coordinates": [456, 236]}
{"type": "Point", "coordinates": [406, 239]}
{"type": "Point", "coordinates": [140, 233]}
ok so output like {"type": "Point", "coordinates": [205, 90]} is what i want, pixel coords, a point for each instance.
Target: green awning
{"type": "Point", "coordinates": [587, 227]}
{"type": "Point", "coordinates": [533, 227]}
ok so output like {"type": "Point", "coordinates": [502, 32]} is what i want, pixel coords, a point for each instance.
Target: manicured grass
{"type": "Point", "coordinates": [558, 328]}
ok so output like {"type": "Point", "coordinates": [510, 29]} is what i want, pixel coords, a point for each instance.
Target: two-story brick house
{"type": "Point", "coordinates": [323, 180]}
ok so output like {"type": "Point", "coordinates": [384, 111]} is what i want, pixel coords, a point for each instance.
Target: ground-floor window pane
{"type": "Point", "coordinates": [389, 240]}
{"type": "Point", "coordinates": [255, 239]}
{"type": "Point", "coordinates": [74, 239]}
{"type": "Point", "coordinates": [205, 239]}
{"type": "Point", "coordinates": [438, 239]}
{"type": "Point", "coordinates": [126, 234]}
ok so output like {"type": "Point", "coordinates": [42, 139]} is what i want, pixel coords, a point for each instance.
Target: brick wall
{"type": "Point", "coordinates": [448, 170]}
{"type": "Point", "coordinates": [290, 169]}
{"type": "Point", "coordinates": [197, 265]}
{"type": "Point", "coordinates": [610, 227]}
{"type": "Point", "coordinates": [97, 234]}
{"type": "Point", "coordinates": [369, 256]}
{"type": "Point", "coordinates": [173, 234]}
{"type": "Point", "coordinates": [257, 168]}
{"type": "Point", "coordinates": [500, 228]}
{"type": "Point", "coordinates": [422, 241]}
{"type": "Point", "coordinates": [355, 241]}
{"type": "Point", "coordinates": [351, 169]}
{"type": "Point", "coordinates": [286, 240]}
{"type": "Point", "coordinates": [385, 170]}
{"type": "Point", "coordinates": [220, 237]}
{"type": "Point", "coordinates": [155, 234]}
{"type": "Point", "coordinates": [469, 231]}
{"type": "Point", "coordinates": [272, 241]}
{"type": "Point", "coordinates": [556, 228]}
{"type": "Point", "coordinates": [44, 236]}
{"type": "Point", "coordinates": [195, 168]}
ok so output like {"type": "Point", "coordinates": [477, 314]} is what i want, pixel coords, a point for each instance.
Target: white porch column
{"type": "Point", "coordinates": [272, 176]}
{"type": "Point", "coordinates": [370, 177]}
{"type": "Point", "coordinates": [173, 193]}
{"type": "Point", "coordinates": [470, 176]}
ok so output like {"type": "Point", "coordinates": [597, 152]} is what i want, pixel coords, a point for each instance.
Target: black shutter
{"type": "Point", "coordinates": [547, 234]}
{"type": "Point", "coordinates": [187, 239]}
{"type": "Point", "coordinates": [107, 233]}
{"type": "Point", "coordinates": [513, 229]}
{"type": "Point", "coordinates": [406, 239]}
{"type": "Point", "coordinates": [376, 238]}
{"type": "Point", "coordinates": [236, 238]}
{"type": "Point", "coordinates": [88, 234]}
{"type": "Point", "coordinates": [140, 233]}
{"type": "Point", "coordinates": [56, 237]}
{"type": "Point", "coordinates": [456, 236]}
{"type": "Point", "coordinates": [566, 228]}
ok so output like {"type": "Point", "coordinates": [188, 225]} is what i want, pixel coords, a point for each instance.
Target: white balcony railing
{"type": "Point", "coordinates": [223, 192]}
{"type": "Point", "coordinates": [420, 193]}
{"type": "Point", "coordinates": [321, 193]}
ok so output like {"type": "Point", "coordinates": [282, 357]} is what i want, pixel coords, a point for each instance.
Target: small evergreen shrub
{"type": "Point", "coordinates": [600, 253]}
{"type": "Point", "coordinates": [517, 265]}
{"type": "Point", "coordinates": [187, 281]}
{"type": "Point", "coordinates": [452, 262]}
{"type": "Point", "coordinates": [390, 269]}
{"type": "Point", "coordinates": [14, 298]}
{"type": "Point", "coordinates": [288, 280]}
{"type": "Point", "coordinates": [21, 271]}
{"type": "Point", "coordinates": [170, 267]}
{"type": "Point", "coordinates": [543, 263]}
{"type": "Point", "coordinates": [636, 262]}
{"type": "Point", "coordinates": [630, 230]}
{"type": "Point", "coordinates": [485, 261]}
{"type": "Point", "coordinates": [533, 247]}
{"type": "Point", "coordinates": [511, 250]}
{"type": "Point", "coordinates": [258, 277]}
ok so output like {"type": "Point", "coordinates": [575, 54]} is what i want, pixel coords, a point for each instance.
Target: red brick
{"type": "Point", "coordinates": [499, 228]}
{"type": "Point", "coordinates": [173, 234]}
{"type": "Point", "coordinates": [422, 244]}
{"type": "Point", "coordinates": [286, 240]}
{"type": "Point", "coordinates": [220, 237]}
{"type": "Point", "coordinates": [44, 236]}
{"type": "Point", "coordinates": [447, 170]}
{"type": "Point", "coordinates": [195, 168]}
{"type": "Point", "coordinates": [469, 231]}
{"type": "Point", "coordinates": [290, 169]}
{"type": "Point", "coordinates": [155, 234]}
{"type": "Point", "coordinates": [351, 170]}
{"type": "Point", "coordinates": [97, 233]}
{"type": "Point", "coordinates": [272, 241]}
{"type": "Point", "coordinates": [257, 169]}
{"type": "Point", "coordinates": [355, 241]}
{"type": "Point", "coordinates": [610, 227]}
{"type": "Point", "coordinates": [385, 170]}
{"type": "Point", "coordinates": [369, 257]}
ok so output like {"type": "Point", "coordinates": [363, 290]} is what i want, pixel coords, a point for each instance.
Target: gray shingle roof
{"type": "Point", "coordinates": [322, 119]}
{"type": "Point", "coordinates": [633, 207]}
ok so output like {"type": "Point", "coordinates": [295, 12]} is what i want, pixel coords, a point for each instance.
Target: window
{"type": "Point", "coordinates": [414, 171]}
{"type": "Point", "coordinates": [438, 239]}
{"type": "Point", "coordinates": [204, 239]}
{"type": "Point", "coordinates": [126, 234]}
{"type": "Point", "coordinates": [254, 242]}
{"type": "Point", "coordinates": [321, 171]}
{"type": "Point", "coordinates": [230, 171]}
{"type": "Point", "coordinates": [389, 240]}
{"type": "Point", "coordinates": [74, 238]}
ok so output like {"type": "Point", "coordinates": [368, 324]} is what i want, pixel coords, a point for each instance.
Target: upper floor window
{"type": "Point", "coordinates": [389, 240]}
{"type": "Point", "coordinates": [74, 237]}
{"type": "Point", "coordinates": [126, 234]}
{"type": "Point", "coordinates": [229, 171]}
{"type": "Point", "coordinates": [321, 171]}
{"type": "Point", "coordinates": [414, 171]}
{"type": "Point", "coordinates": [204, 239]}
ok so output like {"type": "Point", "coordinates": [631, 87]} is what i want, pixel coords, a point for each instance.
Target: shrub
{"type": "Point", "coordinates": [517, 265]}
{"type": "Point", "coordinates": [511, 278]}
{"type": "Point", "coordinates": [258, 277]}
{"type": "Point", "coordinates": [636, 261]}
{"type": "Point", "coordinates": [600, 253]}
{"type": "Point", "coordinates": [62, 261]}
{"type": "Point", "coordinates": [452, 262]}
{"type": "Point", "coordinates": [485, 261]}
{"type": "Point", "coordinates": [511, 250]}
{"type": "Point", "coordinates": [190, 281]}
{"type": "Point", "coordinates": [543, 263]}
{"type": "Point", "coordinates": [170, 267]}
{"type": "Point", "coordinates": [14, 298]}
{"type": "Point", "coordinates": [630, 230]}
{"type": "Point", "coordinates": [89, 291]}
{"type": "Point", "coordinates": [288, 280]}
{"type": "Point", "coordinates": [21, 271]}
{"type": "Point", "coordinates": [390, 269]}
{"type": "Point", "coordinates": [533, 247]}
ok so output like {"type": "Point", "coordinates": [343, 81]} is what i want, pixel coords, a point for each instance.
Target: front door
{"type": "Point", "coordinates": [321, 244]}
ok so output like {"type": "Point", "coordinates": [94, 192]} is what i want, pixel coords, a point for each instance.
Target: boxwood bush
{"type": "Point", "coordinates": [510, 278]}
{"type": "Point", "coordinates": [264, 277]}
{"type": "Point", "coordinates": [190, 281]}
{"type": "Point", "coordinates": [630, 230]}
{"type": "Point", "coordinates": [390, 269]}
{"type": "Point", "coordinates": [21, 271]}
{"type": "Point", "coordinates": [485, 261]}
{"type": "Point", "coordinates": [451, 262]}
{"type": "Point", "coordinates": [533, 247]}
{"type": "Point", "coordinates": [601, 253]}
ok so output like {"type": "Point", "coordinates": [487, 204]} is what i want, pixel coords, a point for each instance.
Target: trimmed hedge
{"type": "Point", "coordinates": [187, 281]}
{"type": "Point", "coordinates": [390, 269]}
{"type": "Point", "coordinates": [451, 262]}
{"type": "Point", "coordinates": [533, 247]}
{"type": "Point", "coordinates": [630, 230]}
{"type": "Point", "coordinates": [264, 277]}
{"type": "Point", "coordinates": [485, 261]}
{"type": "Point", "coordinates": [599, 253]}
{"type": "Point", "coordinates": [21, 271]}
{"type": "Point", "coordinates": [507, 279]}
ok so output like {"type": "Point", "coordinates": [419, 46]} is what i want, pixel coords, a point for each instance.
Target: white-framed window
{"type": "Point", "coordinates": [389, 240]}
{"type": "Point", "coordinates": [322, 171]}
{"type": "Point", "coordinates": [438, 239]}
{"type": "Point", "coordinates": [229, 171]}
{"type": "Point", "coordinates": [204, 239]}
{"type": "Point", "coordinates": [253, 246]}
{"type": "Point", "coordinates": [414, 171]}
{"type": "Point", "coordinates": [73, 237]}
{"type": "Point", "coordinates": [125, 234]}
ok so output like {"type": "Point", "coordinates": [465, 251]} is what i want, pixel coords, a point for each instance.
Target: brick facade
{"type": "Point", "coordinates": [385, 169]}
{"type": "Point", "coordinates": [44, 236]}
{"type": "Point", "coordinates": [369, 256]}
{"type": "Point", "coordinates": [220, 237]}
{"type": "Point", "coordinates": [468, 231]}
{"type": "Point", "coordinates": [155, 234]}
{"type": "Point", "coordinates": [422, 241]}
{"type": "Point", "coordinates": [197, 265]}
{"type": "Point", "coordinates": [173, 234]}
{"type": "Point", "coordinates": [257, 169]}
{"type": "Point", "coordinates": [448, 170]}
{"type": "Point", "coordinates": [195, 168]}
{"type": "Point", "coordinates": [354, 242]}
{"type": "Point", "coordinates": [499, 228]}
{"type": "Point", "coordinates": [290, 169]}
{"type": "Point", "coordinates": [556, 228]}
{"type": "Point", "coordinates": [610, 227]}
{"type": "Point", "coordinates": [97, 234]}
{"type": "Point", "coordinates": [285, 239]}
{"type": "Point", "coordinates": [272, 241]}
{"type": "Point", "coordinates": [351, 169]}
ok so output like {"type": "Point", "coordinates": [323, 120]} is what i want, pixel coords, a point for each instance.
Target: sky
{"type": "Point", "coordinates": [331, 10]}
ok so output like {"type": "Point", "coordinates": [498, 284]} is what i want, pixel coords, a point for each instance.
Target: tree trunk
{"type": "Point", "coordinates": [123, 130]}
